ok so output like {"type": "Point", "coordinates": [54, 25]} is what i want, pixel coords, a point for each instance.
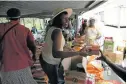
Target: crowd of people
{"type": "Point", "coordinates": [16, 59]}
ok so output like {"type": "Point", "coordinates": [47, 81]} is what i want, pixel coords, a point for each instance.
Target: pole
{"type": "Point", "coordinates": [119, 17]}
{"type": "Point", "coordinates": [77, 24]}
{"type": "Point", "coordinates": [23, 21]}
{"type": "Point", "coordinates": [34, 22]}
{"type": "Point", "coordinates": [40, 24]}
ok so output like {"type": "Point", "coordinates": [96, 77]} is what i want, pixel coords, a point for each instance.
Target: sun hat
{"type": "Point", "coordinates": [59, 11]}
{"type": "Point", "coordinates": [13, 13]}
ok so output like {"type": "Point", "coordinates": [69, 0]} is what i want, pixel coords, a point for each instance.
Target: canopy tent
{"type": "Point", "coordinates": [35, 13]}
{"type": "Point", "coordinates": [45, 9]}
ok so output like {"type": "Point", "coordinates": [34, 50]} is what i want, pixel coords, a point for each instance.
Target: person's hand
{"type": "Point", "coordinates": [88, 51]}
{"type": "Point", "coordinates": [101, 57]}
{"type": "Point", "coordinates": [66, 48]}
{"type": "Point", "coordinates": [85, 52]}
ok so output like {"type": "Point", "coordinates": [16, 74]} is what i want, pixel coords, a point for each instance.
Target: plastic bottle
{"type": "Point", "coordinates": [90, 79]}
{"type": "Point", "coordinates": [93, 78]}
{"type": "Point", "coordinates": [108, 71]}
{"type": "Point", "coordinates": [87, 78]}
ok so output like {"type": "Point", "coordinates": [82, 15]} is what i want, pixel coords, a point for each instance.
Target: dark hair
{"type": "Point", "coordinates": [92, 22]}
{"type": "Point", "coordinates": [83, 28]}
{"type": "Point", "coordinates": [84, 25]}
{"type": "Point", "coordinates": [85, 20]}
{"type": "Point", "coordinates": [13, 14]}
{"type": "Point", "coordinates": [13, 18]}
{"type": "Point", "coordinates": [57, 21]}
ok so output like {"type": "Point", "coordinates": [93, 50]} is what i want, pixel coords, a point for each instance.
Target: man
{"type": "Point", "coordinates": [16, 59]}
{"type": "Point", "coordinates": [34, 30]}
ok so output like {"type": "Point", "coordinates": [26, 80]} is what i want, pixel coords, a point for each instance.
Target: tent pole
{"type": "Point", "coordinates": [33, 22]}
{"type": "Point", "coordinates": [40, 24]}
{"type": "Point", "coordinates": [23, 21]}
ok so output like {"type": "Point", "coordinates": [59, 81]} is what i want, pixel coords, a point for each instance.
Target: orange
{"type": "Point", "coordinates": [76, 48]}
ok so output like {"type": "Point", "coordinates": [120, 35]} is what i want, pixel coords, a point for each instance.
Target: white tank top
{"type": "Point", "coordinates": [47, 50]}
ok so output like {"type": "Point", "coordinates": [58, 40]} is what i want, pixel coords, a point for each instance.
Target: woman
{"type": "Point", "coordinates": [83, 28]}
{"type": "Point", "coordinates": [92, 33]}
{"type": "Point", "coordinates": [16, 57]}
{"type": "Point", "coordinates": [68, 32]}
{"type": "Point", "coordinates": [53, 51]}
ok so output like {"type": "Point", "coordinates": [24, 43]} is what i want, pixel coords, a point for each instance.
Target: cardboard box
{"type": "Point", "coordinates": [108, 46]}
{"type": "Point", "coordinates": [114, 57]}
{"type": "Point", "coordinates": [119, 58]}
{"type": "Point", "coordinates": [74, 77]}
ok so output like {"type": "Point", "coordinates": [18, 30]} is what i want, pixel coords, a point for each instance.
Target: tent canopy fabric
{"type": "Point", "coordinates": [44, 9]}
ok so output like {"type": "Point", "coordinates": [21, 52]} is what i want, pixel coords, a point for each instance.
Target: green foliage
{"type": "Point", "coordinates": [28, 22]}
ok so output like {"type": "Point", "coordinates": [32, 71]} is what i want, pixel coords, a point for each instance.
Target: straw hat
{"type": "Point", "coordinates": [58, 11]}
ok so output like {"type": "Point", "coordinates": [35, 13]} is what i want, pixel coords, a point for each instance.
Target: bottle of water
{"type": "Point", "coordinates": [93, 78]}
{"type": "Point", "coordinates": [87, 79]}
{"type": "Point", "coordinates": [108, 71]}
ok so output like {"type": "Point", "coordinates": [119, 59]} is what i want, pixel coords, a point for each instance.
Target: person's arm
{"type": "Point", "coordinates": [31, 44]}
{"type": "Point", "coordinates": [118, 70]}
{"type": "Point", "coordinates": [98, 33]}
{"type": "Point", "coordinates": [57, 40]}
